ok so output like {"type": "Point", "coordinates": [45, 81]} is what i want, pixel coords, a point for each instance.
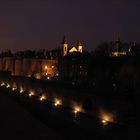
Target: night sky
{"type": "Point", "coordinates": [35, 24]}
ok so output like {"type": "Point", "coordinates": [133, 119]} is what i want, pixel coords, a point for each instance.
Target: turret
{"type": "Point", "coordinates": [80, 47]}
{"type": "Point", "coordinates": [65, 47]}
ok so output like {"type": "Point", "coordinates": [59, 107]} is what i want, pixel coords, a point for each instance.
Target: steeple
{"type": "Point", "coordinates": [80, 47]}
{"type": "Point", "coordinates": [64, 46]}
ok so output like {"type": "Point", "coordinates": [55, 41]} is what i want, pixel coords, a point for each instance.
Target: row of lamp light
{"type": "Point", "coordinates": [57, 102]}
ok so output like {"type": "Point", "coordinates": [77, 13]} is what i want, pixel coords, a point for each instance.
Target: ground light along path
{"type": "Point", "coordinates": [16, 123]}
{"type": "Point", "coordinates": [69, 123]}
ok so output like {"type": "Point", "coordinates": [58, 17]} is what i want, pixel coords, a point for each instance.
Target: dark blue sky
{"type": "Point", "coordinates": [35, 24]}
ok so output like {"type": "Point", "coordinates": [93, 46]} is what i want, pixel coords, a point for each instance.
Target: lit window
{"type": "Point", "coordinates": [46, 67]}
{"type": "Point", "coordinates": [57, 74]}
{"type": "Point", "coordinates": [48, 78]}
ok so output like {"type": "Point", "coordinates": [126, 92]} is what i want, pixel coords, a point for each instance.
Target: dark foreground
{"type": "Point", "coordinates": [23, 117]}
{"type": "Point", "coordinates": [17, 123]}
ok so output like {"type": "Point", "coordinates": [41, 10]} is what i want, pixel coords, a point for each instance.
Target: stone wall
{"type": "Point", "coordinates": [29, 67]}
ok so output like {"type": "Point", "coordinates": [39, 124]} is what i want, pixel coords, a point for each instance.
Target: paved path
{"type": "Point", "coordinates": [18, 124]}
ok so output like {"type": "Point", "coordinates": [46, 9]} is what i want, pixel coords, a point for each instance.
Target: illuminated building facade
{"type": "Point", "coordinates": [42, 63]}
{"type": "Point", "coordinates": [67, 49]}
{"type": "Point", "coordinates": [30, 66]}
{"type": "Point", "coordinates": [119, 49]}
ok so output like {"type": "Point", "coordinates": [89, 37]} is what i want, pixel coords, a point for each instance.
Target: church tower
{"type": "Point", "coordinates": [80, 47]}
{"type": "Point", "coordinates": [65, 46]}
